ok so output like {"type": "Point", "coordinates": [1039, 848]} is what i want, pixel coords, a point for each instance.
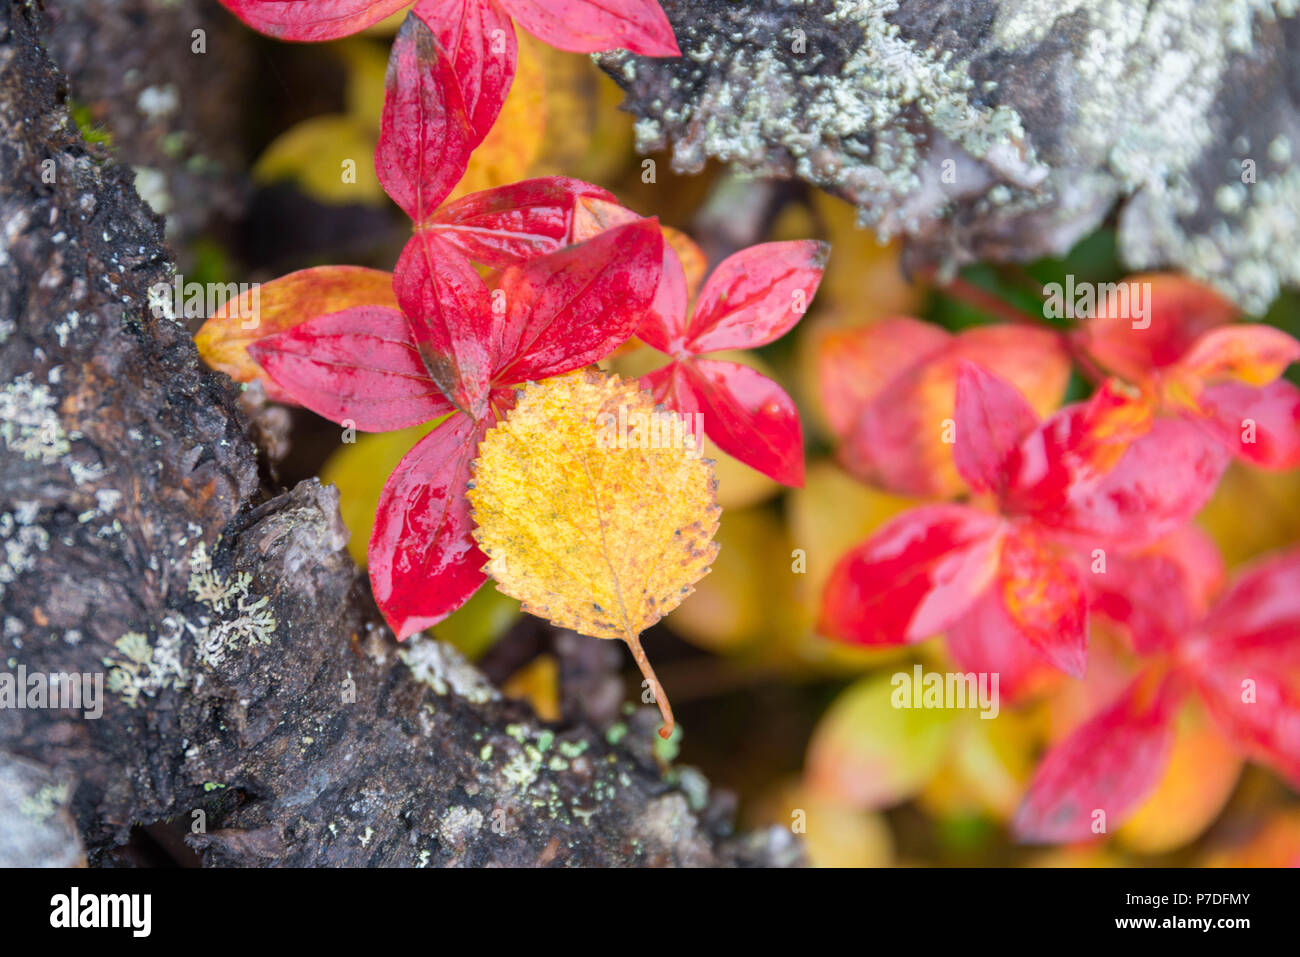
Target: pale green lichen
{"type": "Point", "coordinates": [245, 620]}
{"type": "Point", "coordinates": [29, 424]}
{"type": "Point", "coordinates": [238, 619]}
{"type": "Point", "coordinates": [458, 823]}
{"type": "Point", "coordinates": [44, 803]}
{"type": "Point", "coordinates": [23, 541]}
{"type": "Point", "coordinates": [143, 668]}
{"type": "Point", "coordinates": [521, 770]}
{"type": "Point", "coordinates": [444, 669]}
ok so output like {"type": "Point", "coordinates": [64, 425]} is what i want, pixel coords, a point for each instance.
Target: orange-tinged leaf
{"type": "Point", "coordinates": [1042, 591]}
{"type": "Point", "coordinates": [280, 305]}
{"type": "Point", "coordinates": [602, 539]}
{"type": "Point", "coordinates": [897, 438]}
{"type": "Point", "coordinates": [1179, 309]}
{"type": "Point", "coordinates": [854, 365]}
{"type": "Point", "coordinates": [1202, 773]}
{"type": "Point", "coordinates": [1250, 352]}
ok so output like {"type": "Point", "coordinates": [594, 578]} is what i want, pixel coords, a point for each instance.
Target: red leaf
{"type": "Point", "coordinates": [589, 26]}
{"type": "Point", "coordinates": [360, 365]}
{"type": "Point", "coordinates": [509, 225]}
{"type": "Point", "coordinates": [755, 296]}
{"type": "Point", "coordinates": [312, 20]}
{"type": "Point", "coordinates": [912, 578]}
{"type": "Point", "coordinates": [1257, 705]}
{"type": "Point", "coordinates": [670, 386]}
{"type": "Point", "coordinates": [1108, 764]}
{"type": "Point", "coordinates": [480, 39]}
{"type": "Point", "coordinates": [666, 321]}
{"type": "Point", "coordinates": [664, 325]}
{"type": "Point", "coordinates": [749, 417]}
{"type": "Point", "coordinates": [1158, 595]}
{"type": "Point", "coordinates": [572, 307]}
{"type": "Point", "coordinates": [1261, 426]}
{"type": "Point", "coordinates": [424, 136]}
{"type": "Point", "coordinates": [992, 417]}
{"type": "Point", "coordinates": [986, 640]}
{"type": "Point", "coordinates": [1181, 310]}
{"type": "Point", "coordinates": [424, 563]}
{"type": "Point", "coordinates": [1042, 593]}
{"type": "Point", "coordinates": [1261, 611]}
{"type": "Point", "coordinates": [447, 305]}
{"type": "Point", "coordinates": [1160, 480]}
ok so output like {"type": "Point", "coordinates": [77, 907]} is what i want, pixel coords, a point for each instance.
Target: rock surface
{"type": "Point", "coordinates": [1000, 130]}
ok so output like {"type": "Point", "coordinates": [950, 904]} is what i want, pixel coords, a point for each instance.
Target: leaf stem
{"type": "Point", "coordinates": [661, 698]}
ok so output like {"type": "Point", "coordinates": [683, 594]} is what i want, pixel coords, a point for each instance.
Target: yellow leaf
{"type": "Point", "coordinates": [329, 157]}
{"type": "Point", "coordinates": [281, 304]}
{"type": "Point", "coordinates": [587, 136]}
{"type": "Point", "coordinates": [592, 537]}
{"type": "Point", "coordinates": [538, 683]}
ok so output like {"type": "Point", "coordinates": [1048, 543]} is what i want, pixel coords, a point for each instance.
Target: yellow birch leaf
{"type": "Point", "coordinates": [583, 525]}
{"type": "Point", "coordinates": [281, 304]}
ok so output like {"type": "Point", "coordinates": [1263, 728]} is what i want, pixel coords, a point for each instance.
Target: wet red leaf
{"type": "Point", "coordinates": [424, 563]}
{"type": "Point", "coordinates": [359, 366]}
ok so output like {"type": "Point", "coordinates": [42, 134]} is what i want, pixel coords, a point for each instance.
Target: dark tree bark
{"type": "Point", "coordinates": [250, 683]}
{"type": "Point", "coordinates": [1006, 129]}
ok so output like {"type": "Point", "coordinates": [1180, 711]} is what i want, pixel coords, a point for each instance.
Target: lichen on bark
{"type": "Point", "coordinates": [993, 130]}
